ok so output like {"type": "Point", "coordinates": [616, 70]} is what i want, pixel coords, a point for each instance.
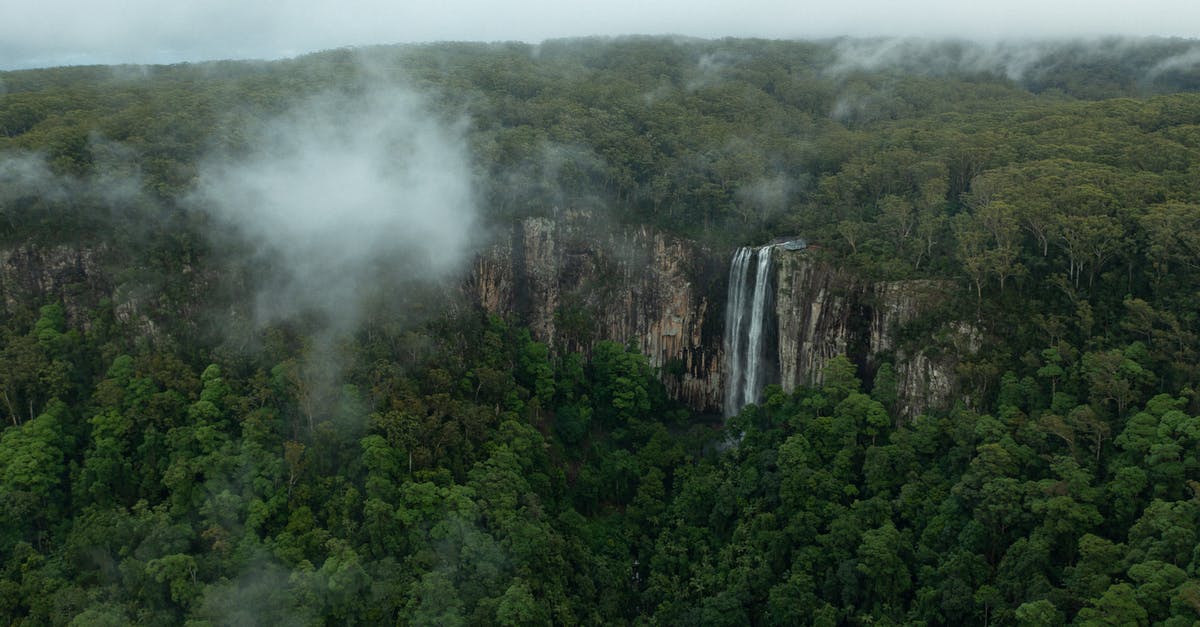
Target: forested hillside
{"type": "Point", "coordinates": [230, 397]}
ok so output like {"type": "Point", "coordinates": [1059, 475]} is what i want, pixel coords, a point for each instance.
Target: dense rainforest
{"type": "Point", "coordinates": [171, 455]}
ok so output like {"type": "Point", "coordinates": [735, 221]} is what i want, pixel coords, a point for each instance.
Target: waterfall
{"type": "Point", "coordinates": [747, 327]}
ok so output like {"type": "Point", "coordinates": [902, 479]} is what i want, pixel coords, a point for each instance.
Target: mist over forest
{"type": "Point", "coordinates": [447, 334]}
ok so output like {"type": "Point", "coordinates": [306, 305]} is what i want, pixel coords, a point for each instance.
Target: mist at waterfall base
{"type": "Point", "coordinates": [749, 363]}
{"type": "Point", "coordinates": [343, 198]}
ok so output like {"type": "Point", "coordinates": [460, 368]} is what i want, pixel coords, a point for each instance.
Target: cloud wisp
{"type": "Point", "coordinates": [342, 196]}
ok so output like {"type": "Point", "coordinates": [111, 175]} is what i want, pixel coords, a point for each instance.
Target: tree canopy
{"type": "Point", "coordinates": [163, 463]}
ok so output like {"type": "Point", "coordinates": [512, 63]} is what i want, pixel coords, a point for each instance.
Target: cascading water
{"type": "Point", "coordinates": [747, 321]}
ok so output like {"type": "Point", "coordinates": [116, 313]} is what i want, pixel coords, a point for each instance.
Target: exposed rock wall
{"type": "Point", "coordinates": [825, 311]}
{"type": "Point", "coordinates": [898, 303]}
{"type": "Point", "coordinates": [818, 309]}
{"type": "Point", "coordinates": [575, 284]}
{"type": "Point", "coordinates": [925, 374]}
{"type": "Point", "coordinates": [31, 276]}
{"type": "Point", "coordinates": [79, 277]}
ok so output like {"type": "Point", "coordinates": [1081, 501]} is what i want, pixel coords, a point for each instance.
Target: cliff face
{"type": "Point", "coordinates": [819, 312]}
{"type": "Point", "coordinates": [824, 311]}
{"type": "Point", "coordinates": [926, 376]}
{"type": "Point", "coordinates": [32, 276]}
{"type": "Point", "coordinates": [575, 284]}
{"type": "Point", "coordinates": [80, 277]}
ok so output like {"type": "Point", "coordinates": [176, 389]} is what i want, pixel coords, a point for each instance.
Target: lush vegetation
{"type": "Point", "coordinates": [452, 470]}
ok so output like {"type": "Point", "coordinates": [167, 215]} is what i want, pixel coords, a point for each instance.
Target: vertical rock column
{"type": "Point", "coordinates": [635, 285]}
{"type": "Point", "coordinates": [815, 305]}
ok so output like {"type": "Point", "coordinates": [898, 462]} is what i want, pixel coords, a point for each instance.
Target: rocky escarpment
{"type": "Point", "coordinates": [575, 284]}
{"type": "Point", "coordinates": [820, 316]}
{"type": "Point", "coordinates": [824, 311]}
{"type": "Point", "coordinates": [31, 276]}
{"type": "Point", "coordinates": [82, 277]}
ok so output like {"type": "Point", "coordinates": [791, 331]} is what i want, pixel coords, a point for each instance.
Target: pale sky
{"type": "Point", "coordinates": [37, 33]}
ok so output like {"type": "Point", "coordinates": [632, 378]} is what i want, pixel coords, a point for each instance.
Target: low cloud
{"type": "Point", "coordinates": [33, 192]}
{"type": "Point", "coordinates": [345, 195]}
{"type": "Point", "coordinates": [1187, 61]}
{"type": "Point", "coordinates": [27, 174]}
{"type": "Point", "coordinates": [1017, 59]}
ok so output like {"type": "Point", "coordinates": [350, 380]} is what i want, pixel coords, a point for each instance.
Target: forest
{"type": "Point", "coordinates": [257, 400]}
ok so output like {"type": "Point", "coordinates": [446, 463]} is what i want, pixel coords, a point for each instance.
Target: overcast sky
{"type": "Point", "coordinates": [36, 33]}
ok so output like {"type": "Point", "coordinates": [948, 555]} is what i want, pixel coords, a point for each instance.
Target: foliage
{"type": "Point", "coordinates": [457, 470]}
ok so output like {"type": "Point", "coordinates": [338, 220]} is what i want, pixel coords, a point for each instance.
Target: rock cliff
{"type": "Point", "coordinates": [32, 276]}
{"type": "Point", "coordinates": [575, 284]}
{"type": "Point", "coordinates": [824, 311]}
{"type": "Point", "coordinates": [81, 276]}
{"type": "Point", "coordinates": [819, 314]}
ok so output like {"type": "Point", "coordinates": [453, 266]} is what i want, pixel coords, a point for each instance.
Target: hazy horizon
{"type": "Point", "coordinates": [64, 32]}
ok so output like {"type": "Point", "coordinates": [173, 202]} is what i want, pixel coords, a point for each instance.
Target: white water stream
{"type": "Point", "coordinates": [746, 318]}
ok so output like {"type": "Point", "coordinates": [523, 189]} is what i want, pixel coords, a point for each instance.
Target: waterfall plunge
{"type": "Point", "coordinates": [747, 318]}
